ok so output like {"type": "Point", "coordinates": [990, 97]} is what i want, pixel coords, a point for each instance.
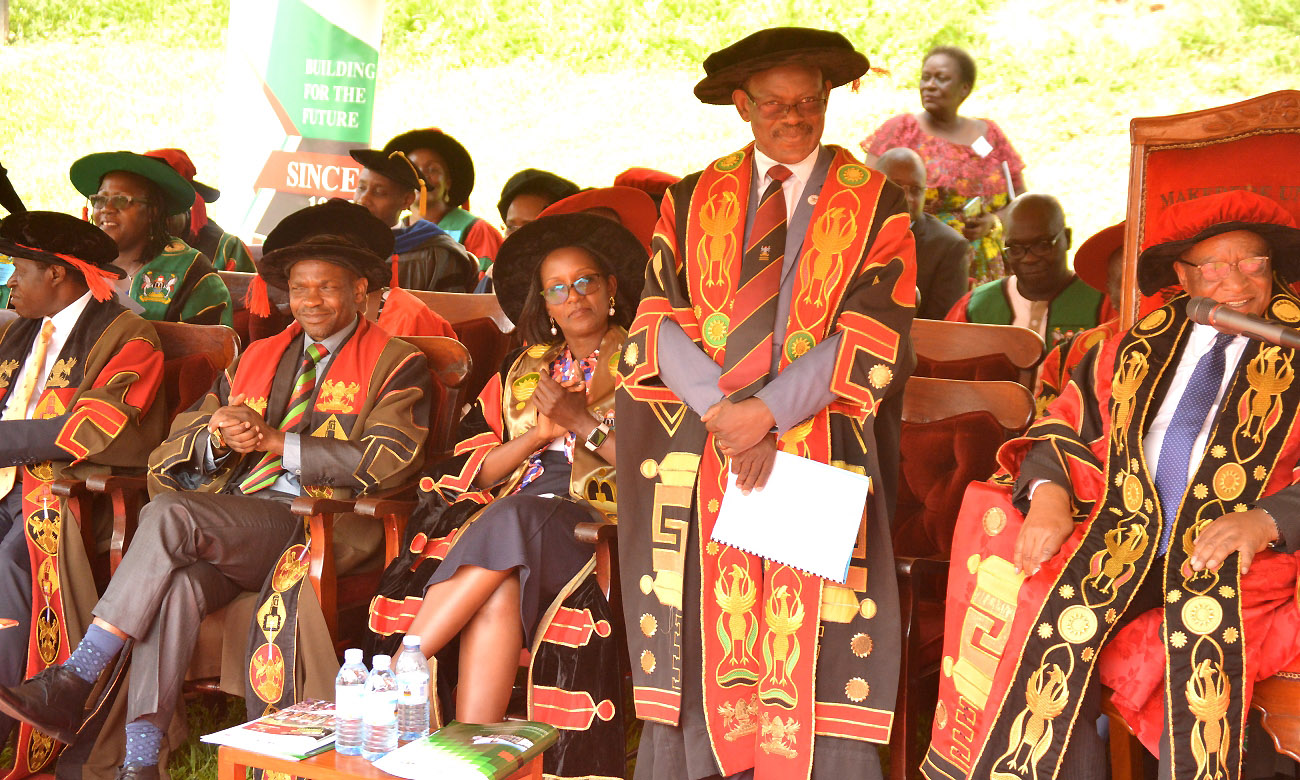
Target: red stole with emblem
{"type": "Point", "coordinates": [761, 619]}
{"type": "Point", "coordinates": [272, 682]}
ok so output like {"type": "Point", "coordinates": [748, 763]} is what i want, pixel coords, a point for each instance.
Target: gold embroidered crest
{"type": "Point", "coordinates": [522, 388]}
{"type": "Point", "coordinates": [331, 429]}
{"type": "Point", "coordinates": [7, 370]}
{"type": "Point", "coordinates": [40, 750]}
{"type": "Point", "coordinates": [1115, 564]}
{"type": "Point", "coordinates": [738, 718]}
{"type": "Point", "coordinates": [337, 396]}
{"type": "Point", "coordinates": [779, 736]}
{"type": "Point", "coordinates": [1270, 374]}
{"type": "Point", "coordinates": [47, 635]}
{"type": "Point", "coordinates": [879, 376]}
{"type": "Point", "coordinates": [61, 374]}
{"type": "Point", "coordinates": [1077, 624]}
{"type": "Point", "coordinates": [632, 354]}
{"type": "Point", "coordinates": [1202, 614]}
{"type": "Point", "coordinates": [1208, 695]}
{"type": "Point", "coordinates": [1229, 481]}
{"type": "Point", "coordinates": [256, 404]}
{"type": "Point", "coordinates": [994, 521]}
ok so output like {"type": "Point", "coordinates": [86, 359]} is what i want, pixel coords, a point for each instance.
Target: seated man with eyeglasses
{"type": "Point", "coordinates": [1042, 293]}
{"type": "Point", "coordinates": [1161, 495]}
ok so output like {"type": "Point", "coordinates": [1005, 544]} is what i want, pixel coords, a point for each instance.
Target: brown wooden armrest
{"type": "Point", "coordinates": [69, 488]}
{"type": "Point", "coordinates": [311, 505]}
{"type": "Point", "coordinates": [595, 533]}
{"type": "Point", "coordinates": [107, 483]}
{"type": "Point", "coordinates": [398, 501]}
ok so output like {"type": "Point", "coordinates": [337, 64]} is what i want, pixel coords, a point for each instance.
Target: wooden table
{"type": "Point", "coordinates": [232, 763]}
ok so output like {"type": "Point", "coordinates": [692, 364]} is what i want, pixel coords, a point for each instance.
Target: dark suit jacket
{"type": "Point", "coordinates": [942, 266]}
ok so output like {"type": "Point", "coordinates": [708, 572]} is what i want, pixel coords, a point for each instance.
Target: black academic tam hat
{"type": "Point", "coordinates": [727, 69]}
{"type": "Point", "coordinates": [52, 237]}
{"type": "Point", "coordinates": [394, 165]}
{"type": "Point", "coordinates": [335, 231]}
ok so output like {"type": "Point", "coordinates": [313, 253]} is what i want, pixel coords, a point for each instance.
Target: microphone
{"type": "Point", "coordinates": [1208, 312]}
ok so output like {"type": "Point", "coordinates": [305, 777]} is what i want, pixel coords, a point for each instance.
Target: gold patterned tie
{"type": "Point", "coordinates": [22, 396]}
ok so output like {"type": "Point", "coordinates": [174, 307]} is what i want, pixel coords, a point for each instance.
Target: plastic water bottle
{"type": "Point", "coordinates": [413, 683]}
{"type": "Point", "coordinates": [381, 710]}
{"type": "Point", "coordinates": [349, 703]}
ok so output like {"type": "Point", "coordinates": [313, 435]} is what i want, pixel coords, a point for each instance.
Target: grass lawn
{"type": "Point", "coordinates": [589, 89]}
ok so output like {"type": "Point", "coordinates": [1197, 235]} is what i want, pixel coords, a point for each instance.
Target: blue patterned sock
{"type": "Point", "coordinates": [143, 741]}
{"type": "Point", "coordinates": [97, 650]}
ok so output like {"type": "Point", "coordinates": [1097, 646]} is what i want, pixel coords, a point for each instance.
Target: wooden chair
{"type": "Point", "coordinates": [968, 350]}
{"type": "Point", "coordinates": [449, 365]}
{"type": "Point", "coordinates": [951, 432]}
{"type": "Point", "coordinates": [193, 357]}
{"type": "Point", "coordinates": [249, 326]}
{"type": "Point", "coordinates": [481, 326]}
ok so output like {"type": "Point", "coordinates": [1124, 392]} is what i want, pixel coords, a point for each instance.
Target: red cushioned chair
{"type": "Point", "coordinates": [951, 432]}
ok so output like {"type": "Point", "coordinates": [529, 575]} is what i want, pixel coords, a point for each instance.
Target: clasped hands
{"type": "Point", "coordinates": [561, 407]}
{"type": "Point", "coordinates": [1049, 523]}
{"type": "Point", "coordinates": [743, 433]}
{"type": "Point", "coordinates": [238, 427]}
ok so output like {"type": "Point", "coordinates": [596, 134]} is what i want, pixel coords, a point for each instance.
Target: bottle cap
{"type": "Point", "coordinates": [352, 655]}
{"type": "Point", "coordinates": [382, 661]}
{"type": "Point", "coordinates": [411, 640]}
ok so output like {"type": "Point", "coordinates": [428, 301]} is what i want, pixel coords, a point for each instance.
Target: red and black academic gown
{"type": "Point", "coordinates": [364, 432]}
{"type": "Point", "coordinates": [99, 409]}
{"type": "Point", "coordinates": [1019, 653]}
{"type": "Point", "coordinates": [772, 658]}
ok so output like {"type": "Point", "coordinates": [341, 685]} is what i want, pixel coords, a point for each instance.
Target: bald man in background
{"type": "Point", "coordinates": [942, 254]}
{"type": "Point", "coordinates": [1042, 293]}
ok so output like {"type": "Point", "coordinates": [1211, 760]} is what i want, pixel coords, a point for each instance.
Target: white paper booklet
{"type": "Point", "coordinates": [807, 516]}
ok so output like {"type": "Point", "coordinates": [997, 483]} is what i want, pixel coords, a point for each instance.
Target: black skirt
{"type": "Point", "coordinates": [530, 533]}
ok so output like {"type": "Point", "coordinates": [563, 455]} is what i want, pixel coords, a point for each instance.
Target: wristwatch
{"type": "Point", "coordinates": [597, 437]}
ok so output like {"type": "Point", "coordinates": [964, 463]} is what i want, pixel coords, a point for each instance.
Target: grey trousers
{"type": "Point", "coordinates": [192, 554]}
{"type": "Point", "coordinates": [15, 597]}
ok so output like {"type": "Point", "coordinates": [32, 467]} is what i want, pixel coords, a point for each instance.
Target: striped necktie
{"type": "Point", "coordinates": [269, 469]}
{"type": "Point", "coordinates": [748, 358]}
{"type": "Point", "coordinates": [1189, 417]}
{"type": "Point", "coordinates": [22, 396]}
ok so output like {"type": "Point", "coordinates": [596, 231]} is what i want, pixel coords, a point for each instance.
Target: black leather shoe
{"type": "Point", "coordinates": [138, 773]}
{"type": "Point", "coordinates": [52, 702]}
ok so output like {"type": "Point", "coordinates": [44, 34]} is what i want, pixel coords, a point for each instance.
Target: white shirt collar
{"type": "Point", "coordinates": [65, 319]}
{"type": "Point", "coordinates": [802, 170]}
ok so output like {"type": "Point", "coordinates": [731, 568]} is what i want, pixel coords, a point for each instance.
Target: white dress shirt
{"type": "Point", "coordinates": [793, 186]}
{"type": "Point", "coordinates": [1199, 342]}
{"type": "Point", "coordinates": [63, 322]}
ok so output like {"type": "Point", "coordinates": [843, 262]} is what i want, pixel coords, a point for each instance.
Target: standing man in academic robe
{"type": "Point", "coordinates": [776, 315]}
{"type": "Point", "coordinates": [1157, 491]}
{"type": "Point", "coordinates": [332, 406]}
{"type": "Point", "coordinates": [79, 376]}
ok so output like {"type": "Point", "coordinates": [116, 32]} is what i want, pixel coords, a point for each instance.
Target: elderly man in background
{"type": "Point", "coordinates": [942, 254]}
{"type": "Point", "coordinates": [776, 315]}
{"type": "Point", "coordinates": [1042, 293]}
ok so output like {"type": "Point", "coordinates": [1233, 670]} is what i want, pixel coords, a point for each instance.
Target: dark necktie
{"type": "Point", "coordinates": [1184, 427]}
{"type": "Point", "coordinates": [270, 467]}
{"type": "Point", "coordinates": [749, 337]}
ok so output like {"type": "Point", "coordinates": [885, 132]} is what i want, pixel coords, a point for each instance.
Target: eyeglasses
{"type": "Point", "coordinates": [1040, 248]}
{"type": "Point", "coordinates": [116, 202]}
{"type": "Point", "coordinates": [774, 109]}
{"type": "Point", "coordinates": [559, 293]}
{"type": "Point", "coordinates": [1217, 270]}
